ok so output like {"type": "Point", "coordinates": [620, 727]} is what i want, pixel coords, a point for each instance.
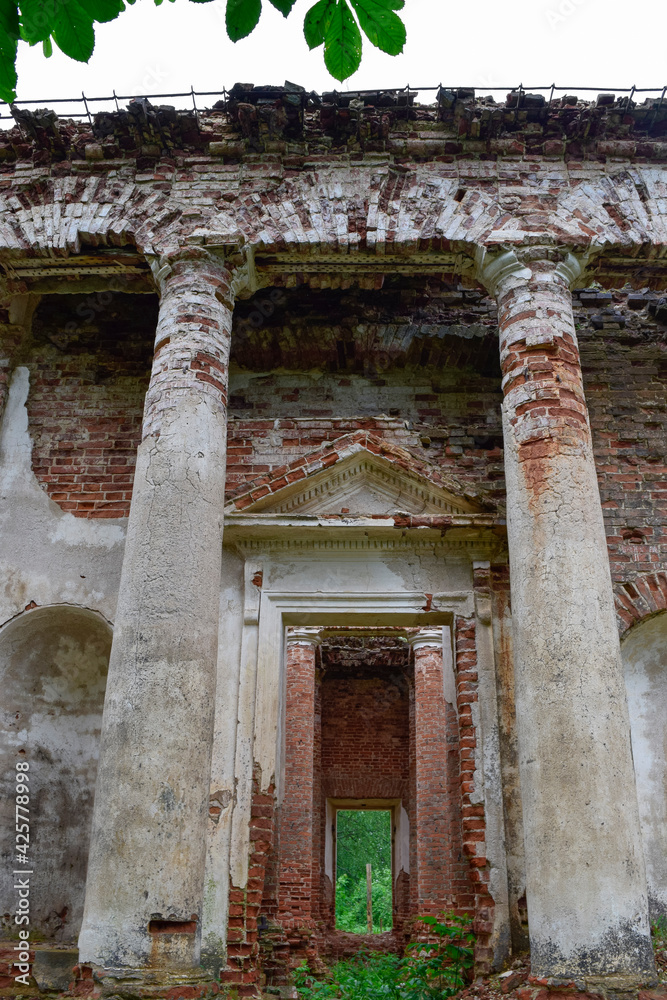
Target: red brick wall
{"type": "Point", "coordinates": [365, 722]}
{"type": "Point", "coordinates": [439, 396]}
{"type": "Point", "coordinates": [365, 737]}
{"type": "Point", "coordinates": [416, 362]}
{"type": "Point", "coordinates": [472, 876]}
{"type": "Point", "coordinates": [89, 362]}
{"type": "Point", "coordinates": [437, 837]}
{"type": "Point", "coordinates": [297, 850]}
{"type": "Point", "coordinates": [624, 360]}
{"type": "Point", "coordinates": [243, 970]}
{"type": "Point", "coordinates": [439, 870]}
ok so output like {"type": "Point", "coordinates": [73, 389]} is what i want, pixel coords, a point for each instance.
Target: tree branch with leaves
{"type": "Point", "coordinates": [337, 25]}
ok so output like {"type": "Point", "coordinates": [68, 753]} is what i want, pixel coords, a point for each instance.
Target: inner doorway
{"type": "Point", "coordinates": [371, 775]}
{"type": "Point", "coordinates": [364, 870]}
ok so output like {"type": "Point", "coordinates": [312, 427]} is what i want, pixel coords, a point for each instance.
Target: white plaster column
{"type": "Point", "coordinates": [586, 886]}
{"type": "Point", "coordinates": [146, 869]}
{"type": "Point", "coordinates": [296, 814]}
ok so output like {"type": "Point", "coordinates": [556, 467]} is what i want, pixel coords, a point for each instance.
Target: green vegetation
{"type": "Point", "coordinates": [362, 838]}
{"type": "Point", "coordinates": [71, 25]}
{"type": "Point", "coordinates": [659, 935]}
{"type": "Point", "coordinates": [427, 972]}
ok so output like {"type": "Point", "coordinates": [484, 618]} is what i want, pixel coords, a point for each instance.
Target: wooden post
{"type": "Point", "coordinates": [369, 900]}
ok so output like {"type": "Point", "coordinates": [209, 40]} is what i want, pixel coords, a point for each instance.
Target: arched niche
{"type": "Point", "coordinates": [53, 665]}
{"type": "Point", "coordinates": [644, 651]}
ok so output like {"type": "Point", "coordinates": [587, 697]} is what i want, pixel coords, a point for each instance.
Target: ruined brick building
{"type": "Point", "coordinates": [413, 361]}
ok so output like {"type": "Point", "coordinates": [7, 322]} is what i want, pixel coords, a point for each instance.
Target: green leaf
{"type": "Point", "coordinates": [342, 43]}
{"type": "Point", "coordinates": [73, 30]}
{"type": "Point", "coordinates": [284, 6]}
{"type": "Point", "coordinates": [317, 21]}
{"type": "Point", "coordinates": [102, 10]}
{"type": "Point", "coordinates": [9, 36]}
{"type": "Point", "coordinates": [241, 17]}
{"type": "Point", "coordinates": [47, 48]}
{"type": "Point", "coordinates": [382, 26]}
{"type": "Point", "coordinates": [37, 20]}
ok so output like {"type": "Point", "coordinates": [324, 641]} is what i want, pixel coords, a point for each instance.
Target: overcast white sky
{"type": "Point", "coordinates": [485, 44]}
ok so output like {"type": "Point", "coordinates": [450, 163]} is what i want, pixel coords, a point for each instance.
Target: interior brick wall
{"type": "Point", "coordinates": [624, 361]}
{"type": "Point", "coordinates": [365, 736]}
{"type": "Point", "coordinates": [438, 817]}
{"type": "Point", "coordinates": [89, 362]}
{"type": "Point", "coordinates": [438, 396]}
{"type": "Point", "coordinates": [472, 874]}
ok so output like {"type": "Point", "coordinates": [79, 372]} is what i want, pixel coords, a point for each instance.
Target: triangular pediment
{"type": "Point", "coordinates": [348, 478]}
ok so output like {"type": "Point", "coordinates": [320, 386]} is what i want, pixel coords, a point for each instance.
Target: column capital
{"type": "Point", "coordinates": [494, 267]}
{"type": "Point", "coordinates": [184, 258]}
{"type": "Point", "coordinates": [298, 635]}
{"type": "Point", "coordinates": [426, 637]}
{"type": "Point", "coordinates": [235, 262]}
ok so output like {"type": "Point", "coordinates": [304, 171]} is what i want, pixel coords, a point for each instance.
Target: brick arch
{"type": "Point", "coordinates": [640, 598]}
{"type": "Point", "coordinates": [373, 207]}
{"type": "Point", "coordinates": [426, 207]}
{"type": "Point", "coordinates": [62, 216]}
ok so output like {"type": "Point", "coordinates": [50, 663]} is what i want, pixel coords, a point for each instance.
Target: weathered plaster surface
{"type": "Point", "coordinates": [585, 877]}
{"type": "Point", "coordinates": [150, 820]}
{"type": "Point", "coordinates": [53, 664]}
{"type": "Point", "coordinates": [48, 556]}
{"type": "Point", "coordinates": [644, 651]}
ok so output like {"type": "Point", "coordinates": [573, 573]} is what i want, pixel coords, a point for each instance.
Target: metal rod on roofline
{"type": "Point", "coordinates": [189, 93]}
{"type": "Point", "coordinates": [150, 97]}
{"type": "Point", "coordinates": [86, 107]}
{"type": "Point", "coordinates": [656, 110]}
{"type": "Point", "coordinates": [193, 94]}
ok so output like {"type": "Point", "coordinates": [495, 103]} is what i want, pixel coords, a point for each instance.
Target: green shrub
{"type": "Point", "coordinates": [438, 969]}
{"type": "Point", "coordinates": [429, 970]}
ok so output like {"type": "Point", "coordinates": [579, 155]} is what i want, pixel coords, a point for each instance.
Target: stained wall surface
{"type": "Point", "coordinates": [644, 651]}
{"type": "Point", "coordinates": [53, 675]}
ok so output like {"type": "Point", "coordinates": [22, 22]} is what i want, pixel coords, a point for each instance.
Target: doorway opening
{"type": "Point", "coordinates": [364, 867]}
